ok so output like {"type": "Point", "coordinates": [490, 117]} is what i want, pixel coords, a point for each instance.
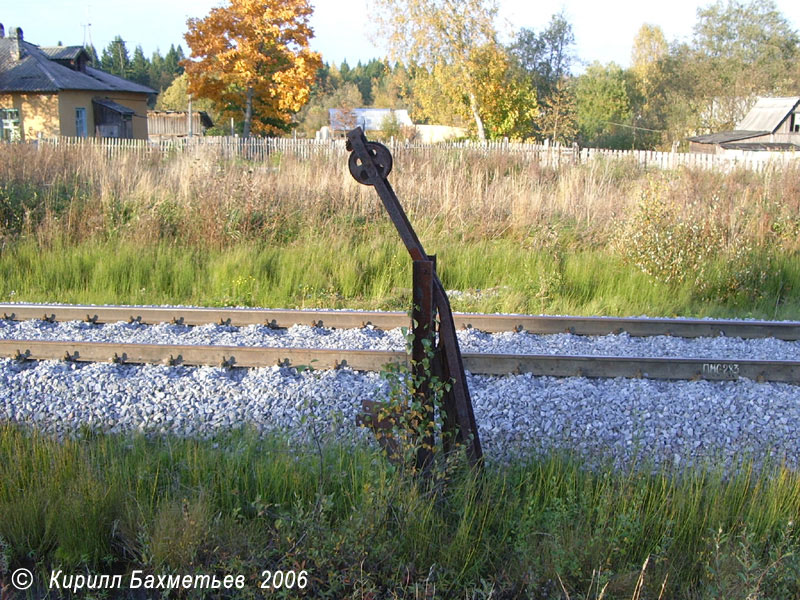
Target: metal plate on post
{"type": "Point", "coordinates": [422, 313]}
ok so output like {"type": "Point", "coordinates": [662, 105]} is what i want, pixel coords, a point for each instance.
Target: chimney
{"type": "Point", "coordinates": [16, 49]}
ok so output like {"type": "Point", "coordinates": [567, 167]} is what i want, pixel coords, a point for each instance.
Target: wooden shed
{"type": "Point", "coordinates": [167, 124]}
{"type": "Point", "coordinates": [112, 120]}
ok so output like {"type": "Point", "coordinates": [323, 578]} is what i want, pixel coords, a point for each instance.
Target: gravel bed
{"type": "Point", "coordinates": [369, 338]}
{"type": "Point", "coordinates": [601, 420]}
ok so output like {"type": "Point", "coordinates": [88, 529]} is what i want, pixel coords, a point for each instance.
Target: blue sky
{"type": "Point", "coordinates": [604, 31]}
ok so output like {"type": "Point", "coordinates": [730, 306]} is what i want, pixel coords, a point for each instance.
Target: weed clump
{"type": "Point", "coordinates": [690, 244]}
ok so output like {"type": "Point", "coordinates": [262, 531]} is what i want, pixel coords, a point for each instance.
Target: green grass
{"type": "Point", "coordinates": [358, 525]}
{"type": "Point", "coordinates": [356, 271]}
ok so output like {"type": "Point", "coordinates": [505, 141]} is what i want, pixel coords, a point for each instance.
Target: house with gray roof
{"type": "Point", "coordinates": [773, 124]}
{"type": "Point", "coordinates": [53, 91]}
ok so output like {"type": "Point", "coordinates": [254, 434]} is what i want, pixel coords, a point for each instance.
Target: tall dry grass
{"type": "Point", "coordinates": [607, 237]}
{"type": "Point", "coordinates": [195, 199]}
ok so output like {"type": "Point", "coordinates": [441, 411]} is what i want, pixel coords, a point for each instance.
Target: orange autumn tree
{"type": "Point", "coordinates": [252, 57]}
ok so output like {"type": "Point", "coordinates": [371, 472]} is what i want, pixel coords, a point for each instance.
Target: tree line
{"type": "Point", "coordinates": [450, 68]}
{"type": "Point", "coordinates": [157, 72]}
{"type": "Point", "coordinates": [250, 61]}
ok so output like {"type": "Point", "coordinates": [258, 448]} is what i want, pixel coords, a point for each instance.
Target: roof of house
{"type": "Point", "coordinates": [764, 118]}
{"type": "Point", "coordinates": [724, 137]}
{"type": "Point", "coordinates": [759, 146]}
{"type": "Point", "coordinates": [36, 70]}
{"type": "Point", "coordinates": [63, 52]}
{"type": "Point", "coordinates": [768, 114]}
{"type": "Point", "coordinates": [116, 107]}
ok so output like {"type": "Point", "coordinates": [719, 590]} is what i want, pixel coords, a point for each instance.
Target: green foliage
{"type": "Point", "coordinates": [139, 67]}
{"type": "Point", "coordinates": [347, 272]}
{"type": "Point", "coordinates": [695, 247]}
{"type": "Point", "coordinates": [411, 420]}
{"type": "Point", "coordinates": [393, 90]}
{"type": "Point", "coordinates": [740, 50]}
{"type": "Point", "coordinates": [94, 60]}
{"type": "Point", "coordinates": [545, 57]}
{"type": "Point", "coordinates": [241, 503]}
{"type": "Point", "coordinates": [373, 84]}
{"type": "Point", "coordinates": [649, 72]}
{"type": "Point", "coordinates": [545, 60]}
{"type": "Point", "coordinates": [673, 90]}
{"type": "Point", "coordinates": [443, 40]}
{"type": "Point", "coordinates": [4, 556]}
{"type": "Point", "coordinates": [115, 58]}
{"type": "Point", "coordinates": [512, 236]}
{"type": "Point", "coordinates": [315, 114]}
{"type": "Point", "coordinates": [743, 49]}
{"type": "Point", "coordinates": [603, 107]}
{"type": "Point", "coordinates": [557, 118]}
{"type": "Point", "coordinates": [508, 102]}
{"type": "Point", "coordinates": [733, 567]}
{"type": "Point", "coordinates": [157, 72]}
{"type": "Point", "coordinates": [175, 97]}
{"type": "Point", "coordinates": [164, 69]}
{"type": "Point", "coordinates": [391, 126]}
{"type": "Point", "coordinates": [366, 77]}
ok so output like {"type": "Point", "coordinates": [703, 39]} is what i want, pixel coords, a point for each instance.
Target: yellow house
{"type": "Point", "coordinates": [52, 92]}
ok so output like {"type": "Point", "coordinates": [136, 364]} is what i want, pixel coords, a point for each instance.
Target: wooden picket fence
{"type": "Point", "coordinates": [260, 149]}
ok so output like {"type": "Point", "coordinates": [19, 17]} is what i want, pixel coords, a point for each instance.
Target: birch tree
{"type": "Point", "coordinates": [442, 37]}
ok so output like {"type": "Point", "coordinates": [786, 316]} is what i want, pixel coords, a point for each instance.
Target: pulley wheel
{"type": "Point", "coordinates": [380, 156]}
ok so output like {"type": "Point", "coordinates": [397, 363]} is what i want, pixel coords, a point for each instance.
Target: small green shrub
{"type": "Point", "coordinates": [679, 245]}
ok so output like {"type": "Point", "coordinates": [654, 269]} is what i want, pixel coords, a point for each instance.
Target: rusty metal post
{"type": "Point", "coordinates": [422, 347]}
{"type": "Point", "coordinates": [370, 164]}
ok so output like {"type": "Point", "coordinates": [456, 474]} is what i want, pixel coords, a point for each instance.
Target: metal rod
{"type": "Point", "coordinates": [396, 213]}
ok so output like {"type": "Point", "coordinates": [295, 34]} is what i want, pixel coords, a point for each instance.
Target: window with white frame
{"type": "Point", "coordinates": [9, 124]}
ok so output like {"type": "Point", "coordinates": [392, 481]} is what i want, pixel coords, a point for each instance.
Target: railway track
{"type": "Point", "coordinates": [539, 324]}
{"type": "Point", "coordinates": [712, 368]}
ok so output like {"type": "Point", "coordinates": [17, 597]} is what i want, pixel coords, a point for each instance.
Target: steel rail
{"type": "Point", "coordinates": [376, 360]}
{"type": "Point", "coordinates": [539, 324]}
